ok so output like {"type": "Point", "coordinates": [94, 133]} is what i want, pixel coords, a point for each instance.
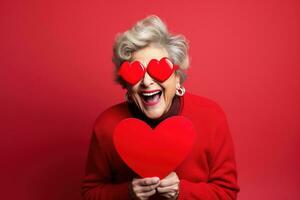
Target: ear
{"type": "Point", "coordinates": [177, 77]}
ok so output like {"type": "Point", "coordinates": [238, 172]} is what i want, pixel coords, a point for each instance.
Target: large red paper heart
{"type": "Point", "coordinates": [154, 152]}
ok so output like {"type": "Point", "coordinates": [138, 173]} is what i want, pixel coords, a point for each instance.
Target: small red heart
{"type": "Point", "coordinates": [154, 152]}
{"type": "Point", "coordinates": [132, 72]}
{"type": "Point", "coordinates": [160, 70]}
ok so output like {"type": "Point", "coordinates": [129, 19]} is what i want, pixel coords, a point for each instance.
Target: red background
{"type": "Point", "coordinates": [56, 77]}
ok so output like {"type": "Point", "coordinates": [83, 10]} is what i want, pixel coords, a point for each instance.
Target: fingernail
{"type": "Point", "coordinates": [156, 179]}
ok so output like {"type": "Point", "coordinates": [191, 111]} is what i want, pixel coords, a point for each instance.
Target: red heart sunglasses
{"type": "Point", "coordinates": [135, 71]}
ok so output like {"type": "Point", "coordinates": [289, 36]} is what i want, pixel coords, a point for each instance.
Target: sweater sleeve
{"type": "Point", "coordinates": [97, 182]}
{"type": "Point", "coordinates": [222, 181]}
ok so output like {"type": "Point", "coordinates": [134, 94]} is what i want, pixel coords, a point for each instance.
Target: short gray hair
{"type": "Point", "coordinates": [150, 30]}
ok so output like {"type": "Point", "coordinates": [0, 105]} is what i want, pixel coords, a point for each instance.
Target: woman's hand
{"type": "Point", "coordinates": [142, 189]}
{"type": "Point", "coordinates": [169, 186]}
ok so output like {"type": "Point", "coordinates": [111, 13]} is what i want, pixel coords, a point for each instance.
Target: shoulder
{"type": "Point", "coordinates": [109, 118]}
{"type": "Point", "coordinates": [202, 107]}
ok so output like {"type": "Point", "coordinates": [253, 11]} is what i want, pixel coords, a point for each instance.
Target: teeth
{"type": "Point", "coordinates": [150, 94]}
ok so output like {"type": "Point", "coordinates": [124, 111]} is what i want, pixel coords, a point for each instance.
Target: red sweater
{"type": "Point", "coordinates": [208, 173]}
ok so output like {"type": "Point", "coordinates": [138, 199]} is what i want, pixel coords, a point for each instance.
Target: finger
{"type": "Point", "coordinates": [148, 181]}
{"type": "Point", "coordinates": [169, 189]}
{"type": "Point", "coordinates": [148, 194]}
{"type": "Point", "coordinates": [147, 188]}
{"type": "Point", "coordinates": [169, 195]}
{"type": "Point", "coordinates": [143, 181]}
{"type": "Point", "coordinates": [169, 182]}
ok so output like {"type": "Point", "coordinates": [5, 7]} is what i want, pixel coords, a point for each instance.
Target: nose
{"type": "Point", "coordinates": [147, 80]}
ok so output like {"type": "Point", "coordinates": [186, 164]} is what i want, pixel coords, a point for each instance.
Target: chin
{"type": "Point", "coordinates": [155, 114]}
{"type": "Point", "coordinates": [156, 111]}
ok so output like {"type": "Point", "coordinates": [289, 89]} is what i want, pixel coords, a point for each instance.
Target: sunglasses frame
{"type": "Point", "coordinates": [155, 70]}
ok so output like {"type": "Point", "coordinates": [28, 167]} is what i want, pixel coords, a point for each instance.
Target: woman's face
{"type": "Point", "coordinates": [153, 98]}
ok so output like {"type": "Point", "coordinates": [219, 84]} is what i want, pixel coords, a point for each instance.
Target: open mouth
{"type": "Point", "coordinates": [151, 98]}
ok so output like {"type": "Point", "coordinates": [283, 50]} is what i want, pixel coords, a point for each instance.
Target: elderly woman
{"type": "Point", "coordinates": [150, 64]}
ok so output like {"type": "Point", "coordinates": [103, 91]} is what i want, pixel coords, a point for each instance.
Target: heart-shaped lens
{"type": "Point", "coordinates": [161, 70]}
{"type": "Point", "coordinates": [132, 72]}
